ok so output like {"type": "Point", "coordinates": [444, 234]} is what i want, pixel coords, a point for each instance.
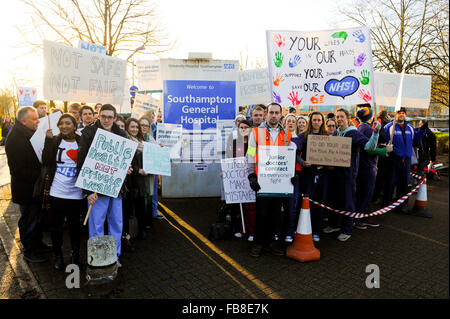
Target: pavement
{"type": "Point", "coordinates": [177, 261]}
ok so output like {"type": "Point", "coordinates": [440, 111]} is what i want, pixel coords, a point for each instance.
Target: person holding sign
{"type": "Point", "coordinates": [343, 179]}
{"type": "Point", "coordinates": [268, 209]}
{"type": "Point", "coordinates": [314, 177]}
{"type": "Point", "coordinates": [105, 206]}
{"type": "Point", "coordinates": [402, 136]}
{"type": "Point", "coordinates": [135, 197]}
{"type": "Point", "coordinates": [65, 200]}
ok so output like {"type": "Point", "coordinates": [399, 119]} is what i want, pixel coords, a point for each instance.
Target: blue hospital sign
{"type": "Point", "coordinates": [199, 104]}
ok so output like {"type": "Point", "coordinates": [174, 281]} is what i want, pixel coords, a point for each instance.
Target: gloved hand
{"type": "Point", "coordinates": [253, 179]}
{"type": "Point", "coordinates": [389, 148]}
{"type": "Point", "coordinates": [294, 180]}
{"type": "Point", "coordinates": [377, 127]}
{"type": "Point", "coordinates": [424, 125]}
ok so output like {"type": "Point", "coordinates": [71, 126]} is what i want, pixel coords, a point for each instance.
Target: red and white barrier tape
{"type": "Point", "coordinates": [378, 212]}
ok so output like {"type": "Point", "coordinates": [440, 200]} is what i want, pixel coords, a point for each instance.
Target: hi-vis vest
{"type": "Point", "coordinates": [282, 140]}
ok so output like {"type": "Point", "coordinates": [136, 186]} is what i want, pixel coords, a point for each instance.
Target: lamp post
{"type": "Point", "coordinates": [142, 47]}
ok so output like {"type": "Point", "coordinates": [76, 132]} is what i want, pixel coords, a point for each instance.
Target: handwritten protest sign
{"type": "Point", "coordinates": [416, 90]}
{"type": "Point", "coordinates": [332, 67]}
{"type": "Point", "coordinates": [170, 135]}
{"type": "Point", "coordinates": [156, 159]}
{"type": "Point", "coordinates": [329, 150]}
{"type": "Point", "coordinates": [72, 74]}
{"type": "Point", "coordinates": [106, 164]}
{"type": "Point", "coordinates": [38, 138]}
{"type": "Point", "coordinates": [142, 103]}
{"type": "Point", "coordinates": [253, 87]}
{"type": "Point", "coordinates": [27, 96]}
{"type": "Point", "coordinates": [235, 181]}
{"type": "Point", "coordinates": [92, 47]}
{"type": "Point", "coordinates": [276, 167]}
{"type": "Point", "coordinates": [149, 75]}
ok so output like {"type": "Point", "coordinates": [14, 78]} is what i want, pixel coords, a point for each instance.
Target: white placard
{"type": "Point", "coordinates": [142, 103]}
{"type": "Point", "coordinates": [156, 159]}
{"type": "Point", "coordinates": [106, 164]}
{"type": "Point", "coordinates": [27, 96]}
{"type": "Point", "coordinates": [224, 129]}
{"type": "Point", "coordinates": [235, 181]}
{"type": "Point", "coordinates": [332, 67]}
{"type": "Point", "coordinates": [149, 75]}
{"type": "Point", "coordinates": [170, 135]}
{"type": "Point", "coordinates": [253, 87]}
{"type": "Point", "coordinates": [276, 167]}
{"type": "Point", "coordinates": [38, 138]}
{"type": "Point", "coordinates": [416, 92]}
{"type": "Point", "coordinates": [92, 47]}
{"type": "Point", "coordinates": [72, 74]}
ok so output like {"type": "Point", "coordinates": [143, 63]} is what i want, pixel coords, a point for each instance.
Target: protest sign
{"type": "Point", "coordinates": [254, 87]}
{"type": "Point", "coordinates": [156, 159]}
{"type": "Point", "coordinates": [38, 138]}
{"type": "Point", "coordinates": [106, 164]}
{"type": "Point", "coordinates": [332, 67]}
{"type": "Point", "coordinates": [27, 96]}
{"type": "Point", "coordinates": [197, 94]}
{"type": "Point", "coordinates": [226, 130]}
{"type": "Point", "coordinates": [235, 181]}
{"type": "Point", "coordinates": [276, 167]}
{"type": "Point", "coordinates": [142, 103]}
{"type": "Point", "coordinates": [170, 135]}
{"type": "Point", "coordinates": [416, 90]}
{"type": "Point", "coordinates": [72, 74]}
{"type": "Point", "coordinates": [149, 75]}
{"type": "Point", "coordinates": [92, 47]}
{"type": "Point", "coordinates": [329, 150]}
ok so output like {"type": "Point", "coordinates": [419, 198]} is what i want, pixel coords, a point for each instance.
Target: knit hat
{"type": "Point", "coordinates": [402, 109]}
{"type": "Point", "coordinates": [364, 114]}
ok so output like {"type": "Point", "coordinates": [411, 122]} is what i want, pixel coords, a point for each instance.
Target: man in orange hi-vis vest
{"type": "Point", "coordinates": [268, 209]}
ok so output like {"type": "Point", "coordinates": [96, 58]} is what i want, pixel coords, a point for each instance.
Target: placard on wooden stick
{"type": "Point", "coordinates": [329, 150]}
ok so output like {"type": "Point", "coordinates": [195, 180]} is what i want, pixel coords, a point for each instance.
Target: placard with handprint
{"type": "Point", "coordinates": [332, 67]}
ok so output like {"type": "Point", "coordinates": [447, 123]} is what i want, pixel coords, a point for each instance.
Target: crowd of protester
{"type": "Point", "coordinates": [47, 195]}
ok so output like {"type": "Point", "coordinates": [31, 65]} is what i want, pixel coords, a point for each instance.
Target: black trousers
{"type": "Point", "coordinates": [268, 212]}
{"type": "Point", "coordinates": [72, 210]}
{"type": "Point", "coordinates": [29, 227]}
{"type": "Point", "coordinates": [136, 207]}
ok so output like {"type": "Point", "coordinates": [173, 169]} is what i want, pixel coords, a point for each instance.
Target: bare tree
{"type": "Point", "coordinates": [407, 34]}
{"type": "Point", "coordinates": [119, 25]}
{"type": "Point", "coordinates": [8, 102]}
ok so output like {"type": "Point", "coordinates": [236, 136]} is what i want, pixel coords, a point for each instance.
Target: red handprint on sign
{"type": "Point", "coordinates": [279, 79]}
{"type": "Point", "coordinates": [279, 40]}
{"type": "Point", "coordinates": [317, 99]}
{"type": "Point", "coordinates": [364, 95]}
{"type": "Point", "coordinates": [293, 97]}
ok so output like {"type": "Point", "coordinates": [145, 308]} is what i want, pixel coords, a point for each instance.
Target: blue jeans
{"type": "Point", "coordinates": [155, 198]}
{"type": "Point", "coordinates": [29, 229]}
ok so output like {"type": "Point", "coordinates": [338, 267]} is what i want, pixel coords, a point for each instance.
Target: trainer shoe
{"type": "Point", "coordinates": [316, 238]}
{"type": "Point", "coordinates": [158, 216]}
{"type": "Point", "coordinates": [238, 235]}
{"type": "Point", "coordinates": [371, 223]}
{"type": "Point", "coordinates": [288, 239]}
{"type": "Point", "coordinates": [343, 237]}
{"type": "Point", "coordinates": [358, 224]}
{"type": "Point", "coordinates": [329, 230]}
{"type": "Point", "coordinates": [276, 237]}
{"type": "Point", "coordinates": [274, 249]}
{"type": "Point", "coordinates": [250, 238]}
{"type": "Point", "coordinates": [119, 265]}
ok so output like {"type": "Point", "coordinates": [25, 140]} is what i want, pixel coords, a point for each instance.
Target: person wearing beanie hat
{"type": "Point", "coordinates": [367, 171]}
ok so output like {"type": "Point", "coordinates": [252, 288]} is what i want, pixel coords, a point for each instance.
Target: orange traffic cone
{"type": "Point", "coordinates": [303, 248]}
{"type": "Point", "coordinates": [420, 208]}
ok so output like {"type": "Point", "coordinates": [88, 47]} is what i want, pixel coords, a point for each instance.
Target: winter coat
{"type": "Point", "coordinates": [405, 136]}
{"type": "Point", "coordinates": [23, 163]}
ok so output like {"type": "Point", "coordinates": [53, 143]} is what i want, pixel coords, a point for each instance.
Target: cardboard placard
{"type": "Point", "coordinates": [329, 150]}
{"type": "Point", "coordinates": [170, 135]}
{"type": "Point", "coordinates": [106, 164]}
{"type": "Point", "coordinates": [156, 159]}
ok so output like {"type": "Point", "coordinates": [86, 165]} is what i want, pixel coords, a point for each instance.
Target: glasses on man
{"type": "Point", "coordinates": [107, 118]}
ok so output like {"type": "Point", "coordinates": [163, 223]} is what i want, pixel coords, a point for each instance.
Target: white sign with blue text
{"type": "Point", "coordinates": [314, 68]}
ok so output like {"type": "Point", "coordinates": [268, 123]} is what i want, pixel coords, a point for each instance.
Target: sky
{"type": "Point", "coordinates": [227, 29]}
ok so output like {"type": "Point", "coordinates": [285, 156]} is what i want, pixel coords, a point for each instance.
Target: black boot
{"type": "Point", "coordinates": [59, 261]}
{"type": "Point", "coordinates": [75, 257]}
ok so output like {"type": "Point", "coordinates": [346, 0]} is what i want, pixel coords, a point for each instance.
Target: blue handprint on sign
{"type": "Point", "coordinates": [295, 62]}
{"type": "Point", "coordinates": [359, 35]}
{"type": "Point", "coordinates": [277, 97]}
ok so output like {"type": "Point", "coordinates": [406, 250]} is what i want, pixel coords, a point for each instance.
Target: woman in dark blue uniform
{"type": "Point", "coordinates": [343, 179]}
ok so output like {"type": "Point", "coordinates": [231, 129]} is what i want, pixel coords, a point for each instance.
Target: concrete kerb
{"type": "Point", "coordinates": [23, 273]}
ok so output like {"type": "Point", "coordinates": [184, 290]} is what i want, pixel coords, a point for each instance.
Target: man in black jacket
{"type": "Point", "coordinates": [25, 169]}
{"type": "Point", "coordinates": [426, 149]}
{"type": "Point", "coordinates": [105, 206]}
